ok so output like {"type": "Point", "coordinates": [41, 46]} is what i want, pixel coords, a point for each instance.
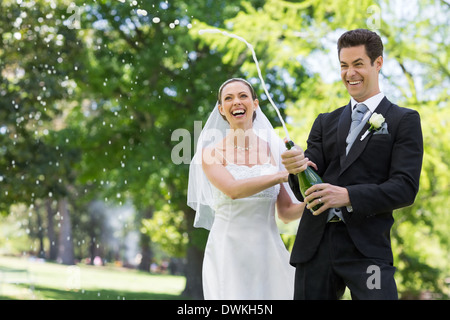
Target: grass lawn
{"type": "Point", "coordinates": [51, 281]}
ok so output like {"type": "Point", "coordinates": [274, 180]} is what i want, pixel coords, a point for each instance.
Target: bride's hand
{"type": "Point", "coordinates": [283, 176]}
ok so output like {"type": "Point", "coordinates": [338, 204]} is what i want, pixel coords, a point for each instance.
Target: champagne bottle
{"type": "Point", "coordinates": [307, 178]}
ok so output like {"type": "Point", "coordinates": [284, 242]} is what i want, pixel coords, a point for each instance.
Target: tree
{"type": "Point", "coordinates": [142, 77]}
{"type": "Point", "coordinates": [35, 84]}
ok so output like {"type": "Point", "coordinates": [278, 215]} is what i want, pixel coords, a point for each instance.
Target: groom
{"type": "Point", "coordinates": [346, 243]}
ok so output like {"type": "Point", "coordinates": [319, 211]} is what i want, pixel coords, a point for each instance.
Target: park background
{"type": "Point", "coordinates": [92, 203]}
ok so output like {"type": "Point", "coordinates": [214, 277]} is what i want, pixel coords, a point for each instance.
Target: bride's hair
{"type": "Point", "coordinates": [252, 91]}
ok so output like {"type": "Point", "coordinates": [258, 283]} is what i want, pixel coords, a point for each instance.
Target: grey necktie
{"type": "Point", "coordinates": [356, 126]}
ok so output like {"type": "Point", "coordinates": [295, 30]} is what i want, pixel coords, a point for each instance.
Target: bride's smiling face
{"type": "Point", "coordinates": [237, 105]}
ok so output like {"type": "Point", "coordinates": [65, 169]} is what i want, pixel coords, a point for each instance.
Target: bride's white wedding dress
{"type": "Point", "coordinates": [245, 257]}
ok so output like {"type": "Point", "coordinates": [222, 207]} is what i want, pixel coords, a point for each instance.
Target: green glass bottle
{"type": "Point", "coordinates": [307, 178]}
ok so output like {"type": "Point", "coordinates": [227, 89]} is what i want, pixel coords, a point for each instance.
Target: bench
{"type": "Point", "coordinates": [15, 276]}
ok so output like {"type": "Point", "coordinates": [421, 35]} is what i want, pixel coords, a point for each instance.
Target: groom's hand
{"type": "Point", "coordinates": [329, 195]}
{"type": "Point", "coordinates": [294, 160]}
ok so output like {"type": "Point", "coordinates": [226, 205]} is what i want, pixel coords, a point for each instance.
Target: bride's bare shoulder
{"type": "Point", "coordinates": [214, 154]}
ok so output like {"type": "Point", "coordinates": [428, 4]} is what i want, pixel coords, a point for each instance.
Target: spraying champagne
{"type": "Point", "coordinates": [306, 178]}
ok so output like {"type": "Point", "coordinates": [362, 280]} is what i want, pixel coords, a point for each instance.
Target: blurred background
{"type": "Point", "coordinates": [92, 203]}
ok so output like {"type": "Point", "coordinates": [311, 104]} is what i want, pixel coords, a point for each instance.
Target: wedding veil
{"type": "Point", "coordinates": [200, 194]}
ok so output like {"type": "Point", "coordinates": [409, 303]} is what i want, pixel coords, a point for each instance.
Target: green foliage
{"type": "Point", "coordinates": [164, 228]}
{"type": "Point", "coordinates": [35, 83]}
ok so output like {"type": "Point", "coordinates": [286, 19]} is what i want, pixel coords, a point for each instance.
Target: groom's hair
{"type": "Point", "coordinates": [371, 41]}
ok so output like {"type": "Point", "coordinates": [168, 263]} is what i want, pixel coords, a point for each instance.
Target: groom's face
{"type": "Point", "coordinates": [359, 75]}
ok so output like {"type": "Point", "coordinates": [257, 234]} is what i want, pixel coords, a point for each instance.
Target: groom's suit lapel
{"type": "Point", "coordinates": [358, 146]}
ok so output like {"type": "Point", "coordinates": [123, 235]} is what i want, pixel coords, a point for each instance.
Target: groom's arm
{"type": "Point", "coordinates": [401, 188]}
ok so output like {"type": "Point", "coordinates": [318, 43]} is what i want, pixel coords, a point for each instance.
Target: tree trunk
{"type": "Point", "coordinates": [65, 245]}
{"type": "Point", "coordinates": [92, 249]}
{"type": "Point", "coordinates": [40, 233]}
{"type": "Point", "coordinates": [53, 250]}
{"type": "Point", "coordinates": [195, 252]}
{"type": "Point", "coordinates": [193, 273]}
{"type": "Point", "coordinates": [145, 243]}
{"type": "Point", "coordinates": [146, 252]}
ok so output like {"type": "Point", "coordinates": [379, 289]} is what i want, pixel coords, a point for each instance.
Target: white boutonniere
{"type": "Point", "coordinates": [376, 121]}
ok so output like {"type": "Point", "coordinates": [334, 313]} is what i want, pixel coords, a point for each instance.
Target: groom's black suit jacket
{"type": "Point", "coordinates": [381, 173]}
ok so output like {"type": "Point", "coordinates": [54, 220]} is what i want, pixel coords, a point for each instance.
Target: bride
{"type": "Point", "coordinates": [235, 181]}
